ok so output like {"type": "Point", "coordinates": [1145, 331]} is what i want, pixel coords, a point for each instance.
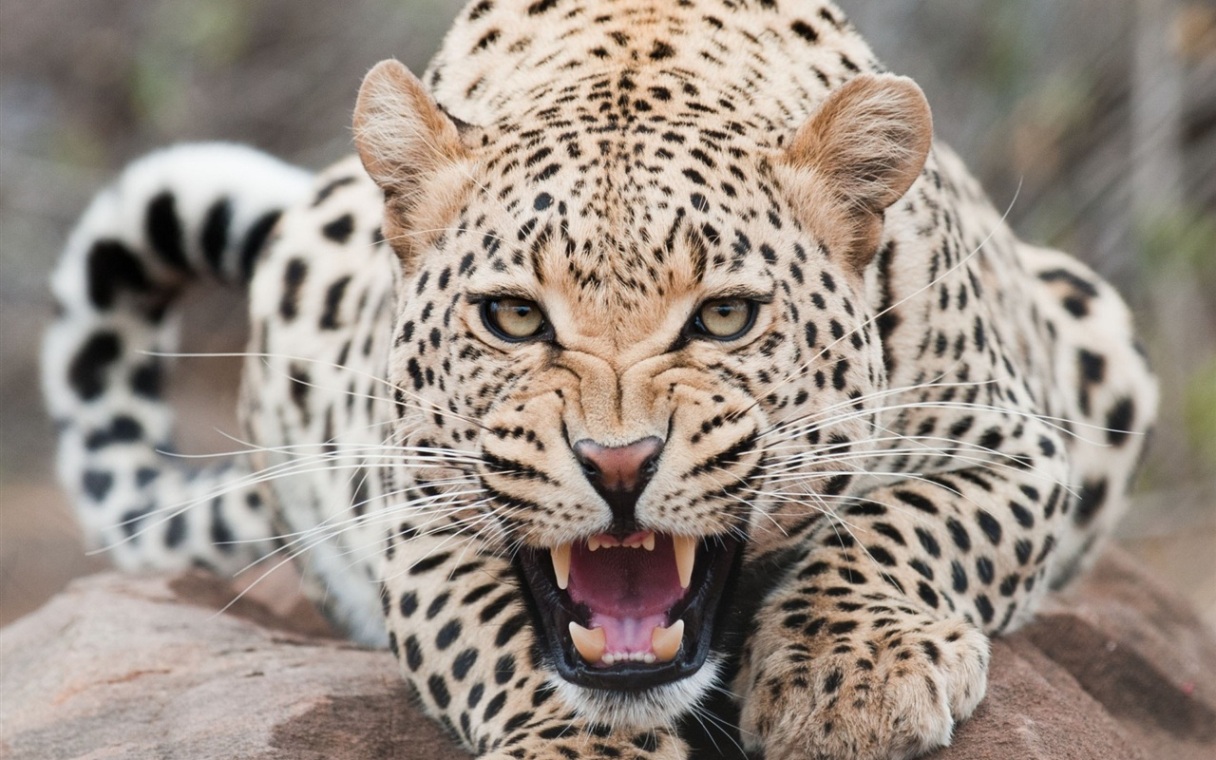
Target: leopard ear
{"type": "Point", "coordinates": [412, 150]}
{"type": "Point", "coordinates": [865, 146]}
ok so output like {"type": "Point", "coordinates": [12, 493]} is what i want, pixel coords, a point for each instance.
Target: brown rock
{"type": "Point", "coordinates": [129, 667]}
{"type": "Point", "coordinates": [121, 666]}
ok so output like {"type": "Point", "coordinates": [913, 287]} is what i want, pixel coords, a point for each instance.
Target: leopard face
{"type": "Point", "coordinates": [618, 323]}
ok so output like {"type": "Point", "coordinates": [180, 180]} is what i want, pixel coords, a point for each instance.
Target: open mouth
{"type": "Point", "coordinates": [629, 612]}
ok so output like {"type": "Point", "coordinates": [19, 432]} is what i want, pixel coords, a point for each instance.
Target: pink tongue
{"type": "Point", "coordinates": [628, 634]}
{"type": "Point", "coordinates": [628, 591]}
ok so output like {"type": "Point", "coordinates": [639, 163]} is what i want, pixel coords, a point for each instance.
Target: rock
{"type": "Point", "coordinates": [147, 667]}
{"type": "Point", "coordinates": [133, 667]}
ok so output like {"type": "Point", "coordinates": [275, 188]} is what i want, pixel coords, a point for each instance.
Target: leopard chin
{"type": "Point", "coordinates": [666, 704]}
{"type": "Point", "coordinates": [637, 614]}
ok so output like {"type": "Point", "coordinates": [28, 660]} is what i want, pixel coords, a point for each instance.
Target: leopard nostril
{"type": "Point", "coordinates": [620, 473]}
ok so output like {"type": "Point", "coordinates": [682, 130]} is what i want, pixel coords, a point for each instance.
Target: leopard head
{"type": "Point", "coordinates": [646, 336]}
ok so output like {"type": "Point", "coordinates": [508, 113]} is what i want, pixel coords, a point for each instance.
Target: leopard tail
{"type": "Point", "coordinates": [175, 218]}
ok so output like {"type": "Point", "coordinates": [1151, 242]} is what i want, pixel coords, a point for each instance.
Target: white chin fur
{"type": "Point", "coordinates": [660, 706]}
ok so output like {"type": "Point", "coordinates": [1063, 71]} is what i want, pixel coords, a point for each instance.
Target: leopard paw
{"type": "Point", "coordinates": [891, 694]}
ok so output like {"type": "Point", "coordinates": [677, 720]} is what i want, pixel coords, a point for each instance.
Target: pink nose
{"type": "Point", "coordinates": [620, 474]}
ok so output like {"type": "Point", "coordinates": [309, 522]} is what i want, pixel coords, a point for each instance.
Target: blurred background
{"type": "Point", "coordinates": [1094, 121]}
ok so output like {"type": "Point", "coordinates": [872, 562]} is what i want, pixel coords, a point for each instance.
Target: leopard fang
{"type": "Point", "coordinates": [561, 565]}
{"type": "Point", "coordinates": [686, 557]}
{"type": "Point", "coordinates": [665, 642]}
{"type": "Point", "coordinates": [589, 642]}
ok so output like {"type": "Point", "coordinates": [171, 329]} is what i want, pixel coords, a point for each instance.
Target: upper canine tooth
{"type": "Point", "coordinates": [561, 565]}
{"type": "Point", "coordinates": [590, 642]}
{"type": "Point", "coordinates": [686, 557]}
{"type": "Point", "coordinates": [648, 542]}
{"type": "Point", "coordinates": [666, 641]}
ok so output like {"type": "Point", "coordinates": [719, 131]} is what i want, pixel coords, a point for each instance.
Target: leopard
{"type": "Point", "coordinates": [650, 364]}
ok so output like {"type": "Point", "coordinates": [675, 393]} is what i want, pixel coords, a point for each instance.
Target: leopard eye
{"type": "Point", "coordinates": [725, 319]}
{"type": "Point", "coordinates": [514, 319]}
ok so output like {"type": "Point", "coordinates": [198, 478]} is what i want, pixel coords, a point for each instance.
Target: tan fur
{"type": "Point", "coordinates": [858, 154]}
{"type": "Point", "coordinates": [413, 152]}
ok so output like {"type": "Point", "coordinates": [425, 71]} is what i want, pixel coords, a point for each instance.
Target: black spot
{"type": "Point", "coordinates": [147, 379]}
{"type": "Point", "coordinates": [661, 50]}
{"type": "Point", "coordinates": [1093, 366]}
{"type": "Point", "coordinates": [990, 526]}
{"type": "Point", "coordinates": [1009, 584]}
{"type": "Point", "coordinates": [112, 269]}
{"type": "Point", "coordinates": [175, 531]}
{"type": "Point", "coordinates": [958, 576]}
{"type": "Point", "coordinates": [439, 690]}
{"type": "Point", "coordinates": [1022, 549]}
{"type": "Point", "coordinates": [1024, 517]}
{"type": "Point", "coordinates": [413, 653]}
{"type": "Point", "coordinates": [510, 627]}
{"type": "Point", "coordinates": [447, 634]}
{"type": "Point", "coordinates": [1090, 500]}
{"type": "Point", "coordinates": [985, 608]}
{"type": "Point", "coordinates": [122, 429]}
{"type": "Point", "coordinates": [165, 231]}
{"type": "Point", "coordinates": [921, 568]}
{"type": "Point", "coordinates": [929, 542]}
{"type": "Point", "coordinates": [437, 604]}
{"type": "Point", "coordinates": [984, 569]}
{"type": "Point", "coordinates": [409, 603]}
{"type": "Point", "coordinates": [97, 483]}
{"type": "Point", "coordinates": [221, 535]}
{"type": "Point", "coordinates": [494, 706]}
{"type": "Point", "coordinates": [340, 229]}
{"type": "Point", "coordinates": [86, 373]}
{"type": "Point", "coordinates": [1119, 421]}
{"type": "Point", "coordinates": [851, 576]}
{"type": "Point", "coordinates": [504, 669]}
{"type": "Point", "coordinates": [843, 627]}
{"type": "Point", "coordinates": [542, 202]}
{"type": "Point", "coordinates": [927, 594]}
{"type": "Point", "coordinates": [931, 651]}
{"type": "Point", "coordinates": [255, 241]}
{"type": "Point", "coordinates": [805, 31]}
{"type": "Point", "coordinates": [131, 519]}
{"type": "Point", "coordinates": [540, 6]}
{"type": "Point", "coordinates": [333, 300]}
{"type": "Point", "coordinates": [329, 188]}
{"type": "Point", "coordinates": [834, 679]}
{"type": "Point", "coordinates": [916, 501]}
{"type": "Point", "coordinates": [427, 564]}
{"type": "Point", "coordinates": [293, 280]}
{"type": "Point", "coordinates": [959, 534]}
{"type": "Point", "coordinates": [215, 234]}
{"type": "Point", "coordinates": [463, 663]}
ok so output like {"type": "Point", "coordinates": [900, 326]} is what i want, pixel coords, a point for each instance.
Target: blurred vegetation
{"type": "Point", "coordinates": [1093, 121]}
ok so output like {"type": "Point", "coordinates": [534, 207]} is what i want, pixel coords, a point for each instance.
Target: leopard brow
{"type": "Point", "coordinates": [499, 294]}
{"type": "Point", "coordinates": [745, 292]}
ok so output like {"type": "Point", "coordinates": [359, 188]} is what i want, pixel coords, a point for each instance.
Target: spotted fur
{"type": "Point", "coordinates": [929, 424]}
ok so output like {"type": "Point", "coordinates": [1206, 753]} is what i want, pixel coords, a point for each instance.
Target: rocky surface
{"type": "Point", "coordinates": [120, 666]}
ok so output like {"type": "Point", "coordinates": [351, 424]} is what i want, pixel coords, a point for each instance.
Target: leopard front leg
{"type": "Point", "coordinates": [459, 628]}
{"type": "Point", "coordinates": [875, 645]}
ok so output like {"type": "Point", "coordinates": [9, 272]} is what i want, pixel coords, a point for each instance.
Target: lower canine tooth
{"type": "Point", "coordinates": [666, 641]}
{"type": "Point", "coordinates": [686, 558]}
{"type": "Point", "coordinates": [561, 565]}
{"type": "Point", "coordinates": [590, 643]}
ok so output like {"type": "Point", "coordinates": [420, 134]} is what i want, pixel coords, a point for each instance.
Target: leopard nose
{"type": "Point", "coordinates": [620, 474]}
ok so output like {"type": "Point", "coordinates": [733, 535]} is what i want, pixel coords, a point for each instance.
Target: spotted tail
{"type": "Point", "coordinates": [173, 218]}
